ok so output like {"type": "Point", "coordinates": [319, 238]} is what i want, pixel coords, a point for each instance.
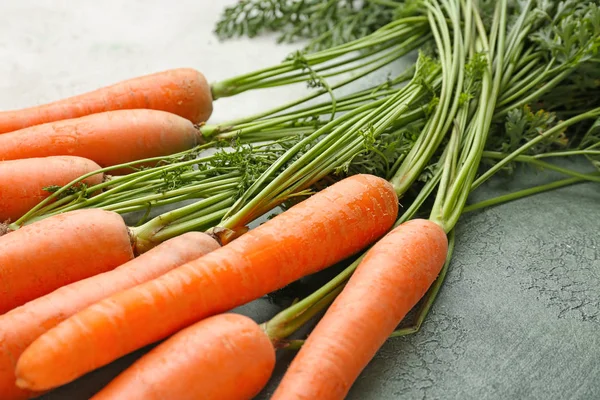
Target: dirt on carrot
{"type": "Point", "coordinates": [4, 228]}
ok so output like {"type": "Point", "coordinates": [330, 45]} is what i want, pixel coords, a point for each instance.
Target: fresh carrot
{"type": "Point", "coordinates": [54, 252]}
{"type": "Point", "coordinates": [318, 232]}
{"type": "Point", "coordinates": [22, 182]}
{"type": "Point", "coordinates": [182, 91]}
{"type": "Point", "coordinates": [389, 281]}
{"type": "Point", "coordinates": [148, 378]}
{"type": "Point", "coordinates": [224, 357]}
{"type": "Point", "coordinates": [110, 138]}
{"type": "Point", "coordinates": [21, 326]}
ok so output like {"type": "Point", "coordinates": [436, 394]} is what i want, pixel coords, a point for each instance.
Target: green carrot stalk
{"type": "Point", "coordinates": [409, 31]}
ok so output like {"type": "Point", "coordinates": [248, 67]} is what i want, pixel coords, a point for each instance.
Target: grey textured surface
{"type": "Point", "coordinates": [519, 317]}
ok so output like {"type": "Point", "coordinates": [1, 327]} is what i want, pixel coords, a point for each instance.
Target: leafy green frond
{"type": "Point", "coordinates": [573, 36]}
{"type": "Point", "coordinates": [474, 70]}
{"type": "Point", "coordinates": [380, 153]}
{"type": "Point", "coordinates": [173, 178]}
{"type": "Point", "coordinates": [592, 136]}
{"type": "Point", "coordinates": [522, 125]}
{"type": "Point", "coordinates": [81, 190]}
{"type": "Point", "coordinates": [326, 23]}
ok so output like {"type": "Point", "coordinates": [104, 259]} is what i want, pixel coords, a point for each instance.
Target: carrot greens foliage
{"type": "Point", "coordinates": [325, 23]}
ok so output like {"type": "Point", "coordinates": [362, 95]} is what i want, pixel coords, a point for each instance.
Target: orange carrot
{"type": "Point", "coordinates": [318, 232]}
{"type": "Point", "coordinates": [22, 182]}
{"type": "Point", "coordinates": [389, 281]}
{"type": "Point", "coordinates": [182, 91]}
{"type": "Point", "coordinates": [109, 138]}
{"type": "Point", "coordinates": [43, 256]}
{"type": "Point", "coordinates": [21, 326]}
{"type": "Point", "coordinates": [224, 357]}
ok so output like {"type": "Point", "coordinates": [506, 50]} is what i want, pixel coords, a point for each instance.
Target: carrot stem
{"type": "Point", "coordinates": [525, 192]}
{"type": "Point", "coordinates": [198, 214]}
{"type": "Point", "coordinates": [210, 130]}
{"type": "Point", "coordinates": [200, 223]}
{"type": "Point", "coordinates": [154, 172]}
{"type": "Point", "coordinates": [594, 113]}
{"type": "Point", "coordinates": [293, 318]}
{"type": "Point", "coordinates": [338, 146]}
{"type": "Point", "coordinates": [400, 31]}
{"type": "Point", "coordinates": [230, 131]}
{"type": "Point", "coordinates": [568, 153]}
{"type": "Point", "coordinates": [542, 164]}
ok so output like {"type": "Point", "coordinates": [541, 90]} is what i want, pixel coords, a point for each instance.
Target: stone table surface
{"type": "Point", "coordinates": [519, 315]}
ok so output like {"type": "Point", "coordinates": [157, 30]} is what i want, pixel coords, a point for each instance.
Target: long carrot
{"type": "Point", "coordinates": [224, 357]}
{"type": "Point", "coordinates": [182, 91]}
{"type": "Point", "coordinates": [21, 326]}
{"type": "Point", "coordinates": [22, 182]}
{"type": "Point", "coordinates": [110, 138]}
{"type": "Point", "coordinates": [327, 227]}
{"type": "Point", "coordinates": [51, 253]}
{"type": "Point", "coordinates": [389, 281]}
{"type": "Point", "coordinates": [148, 378]}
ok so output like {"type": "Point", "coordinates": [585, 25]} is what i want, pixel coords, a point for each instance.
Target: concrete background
{"type": "Point", "coordinates": [519, 316]}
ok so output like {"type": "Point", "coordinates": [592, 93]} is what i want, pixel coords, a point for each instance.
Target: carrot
{"type": "Point", "coordinates": [389, 281]}
{"type": "Point", "coordinates": [320, 231]}
{"type": "Point", "coordinates": [43, 256]}
{"type": "Point", "coordinates": [182, 91]}
{"type": "Point", "coordinates": [22, 182]}
{"type": "Point", "coordinates": [147, 374]}
{"type": "Point", "coordinates": [148, 378]}
{"type": "Point", "coordinates": [110, 138]}
{"type": "Point", "coordinates": [21, 326]}
{"type": "Point", "coordinates": [224, 357]}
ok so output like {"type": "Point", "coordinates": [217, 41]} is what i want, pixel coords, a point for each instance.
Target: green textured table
{"type": "Point", "coordinates": [519, 315]}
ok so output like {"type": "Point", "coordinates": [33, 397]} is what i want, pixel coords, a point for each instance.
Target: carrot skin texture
{"type": "Point", "coordinates": [22, 182]}
{"type": "Point", "coordinates": [314, 234]}
{"type": "Point", "coordinates": [110, 138]}
{"type": "Point", "coordinates": [48, 254]}
{"type": "Point", "coordinates": [224, 357]}
{"type": "Point", "coordinates": [390, 280]}
{"type": "Point", "coordinates": [21, 326]}
{"type": "Point", "coordinates": [182, 91]}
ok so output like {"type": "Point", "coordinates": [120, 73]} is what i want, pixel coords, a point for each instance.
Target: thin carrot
{"type": "Point", "coordinates": [22, 182]}
{"type": "Point", "coordinates": [182, 91]}
{"type": "Point", "coordinates": [21, 326]}
{"type": "Point", "coordinates": [224, 357]}
{"type": "Point", "coordinates": [389, 281]}
{"type": "Point", "coordinates": [110, 138]}
{"type": "Point", "coordinates": [148, 378]}
{"type": "Point", "coordinates": [54, 252]}
{"type": "Point", "coordinates": [318, 232]}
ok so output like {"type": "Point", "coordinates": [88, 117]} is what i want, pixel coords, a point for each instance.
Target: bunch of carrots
{"type": "Point", "coordinates": [79, 288]}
